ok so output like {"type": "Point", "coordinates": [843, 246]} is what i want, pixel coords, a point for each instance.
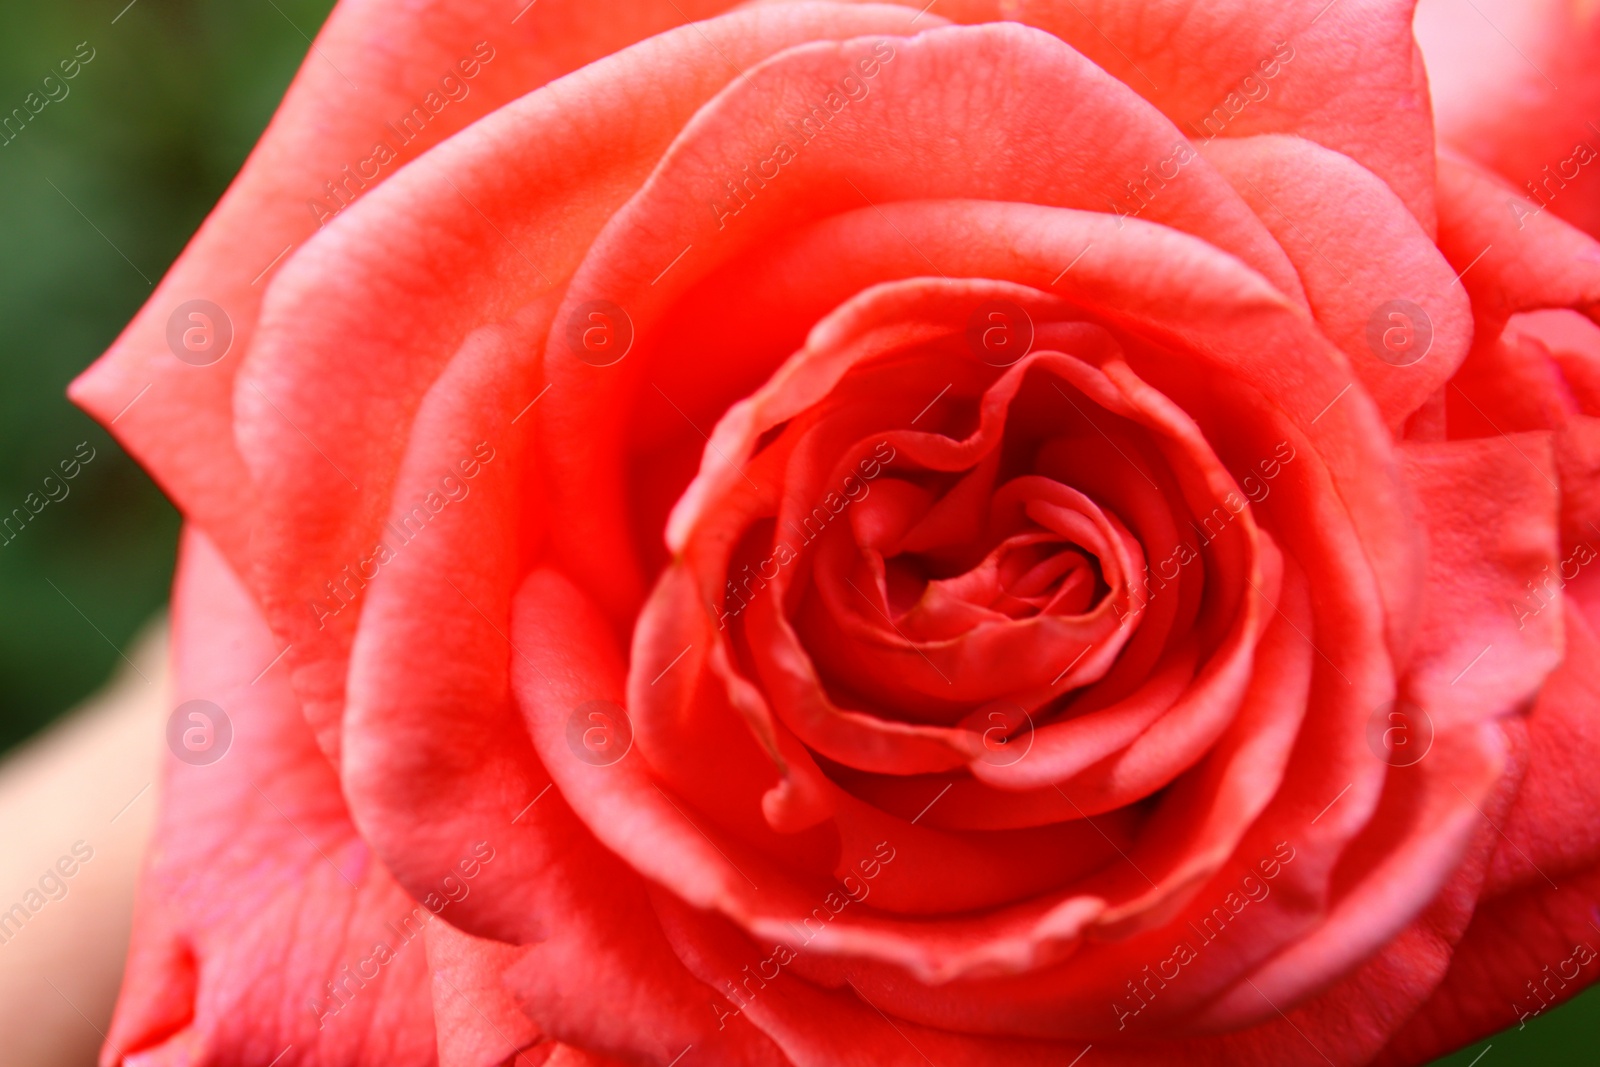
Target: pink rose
{"type": "Point", "coordinates": [847, 533]}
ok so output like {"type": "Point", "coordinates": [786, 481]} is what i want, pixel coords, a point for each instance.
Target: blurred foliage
{"type": "Point", "coordinates": [146, 140]}
{"type": "Point", "coordinates": [1569, 1034]}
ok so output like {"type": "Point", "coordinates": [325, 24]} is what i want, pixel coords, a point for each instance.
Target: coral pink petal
{"type": "Point", "coordinates": [358, 325]}
{"type": "Point", "coordinates": [1490, 508]}
{"type": "Point", "coordinates": [368, 69]}
{"type": "Point", "coordinates": [1363, 259]}
{"type": "Point", "coordinates": [1550, 831]}
{"type": "Point", "coordinates": [1509, 264]}
{"type": "Point", "coordinates": [480, 1023]}
{"type": "Point", "coordinates": [261, 908]}
{"type": "Point", "coordinates": [1524, 953]}
{"type": "Point", "coordinates": [1293, 68]}
{"type": "Point", "coordinates": [1515, 88]}
{"type": "Point", "coordinates": [996, 137]}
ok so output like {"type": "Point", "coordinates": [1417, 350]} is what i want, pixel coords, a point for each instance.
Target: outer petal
{"type": "Point", "coordinates": [1510, 265]}
{"type": "Point", "coordinates": [1345, 75]}
{"type": "Point", "coordinates": [1516, 86]}
{"type": "Point", "coordinates": [479, 1022]}
{"type": "Point", "coordinates": [1357, 249]}
{"type": "Point", "coordinates": [261, 908]}
{"type": "Point", "coordinates": [1552, 828]}
{"type": "Point", "coordinates": [373, 63]}
{"type": "Point", "coordinates": [1524, 953]}
{"type": "Point", "coordinates": [431, 730]}
{"type": "Point", "coordinates": [363, 321]}
{"type": "Point", "coordinates": [1490, 508]}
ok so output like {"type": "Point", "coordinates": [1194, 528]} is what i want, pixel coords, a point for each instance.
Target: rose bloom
{"type": "Point", "coordinates": [818, 533]}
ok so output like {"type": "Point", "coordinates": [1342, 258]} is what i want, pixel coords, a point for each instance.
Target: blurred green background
{"type": "Point", "coordinates": [150, 134]}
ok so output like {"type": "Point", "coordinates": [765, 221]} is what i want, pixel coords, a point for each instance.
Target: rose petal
{"type": "Point", "coordinates": [359, 325]}
{"type": "Point", "coordinates": [1515, 962]}
{"type": "Point", "coordinates": [336, 109]}
{"type": "Point", "coordinates": [1550, 830]}
{"type": "Point", "coordinates": [1494, 68]}
{"type": "Point", "coordinates": [1279, 68]}
{"type": "Point", "coordinates": [1508, 264]}
{"type": "Point", "coordinates": [480, 1023]}
{"type": "Point", "coordinates": [1049, 154]}
{"type": "Point", "coordinates": [1357, 249]}
{"type": "Point", "coordinates": [1489, 507]}
{"type": "Point", "coordinates": [261, 908]}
